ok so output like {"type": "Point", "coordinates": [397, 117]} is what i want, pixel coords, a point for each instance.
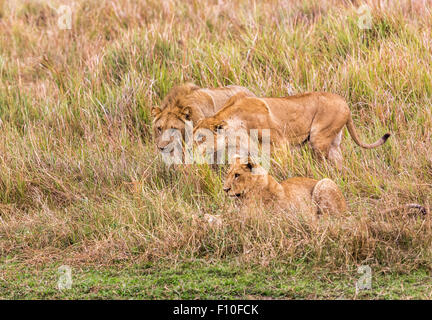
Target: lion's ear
{"type": "Point", "coordinates": [220, 125]}
{"type": "Point", "coordinates": [250, 163]}
{"type": "Point", "coordinates": [187, 113]}
{"type": "Point", "coordinates": [155, 111]}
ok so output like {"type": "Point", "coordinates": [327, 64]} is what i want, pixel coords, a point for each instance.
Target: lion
{"type": "Point", "coordinates": [189, 102]}
{"type": "Point", "coordinates": [317, 118]}
{"type": "Point", "coordinates": [247, 181]}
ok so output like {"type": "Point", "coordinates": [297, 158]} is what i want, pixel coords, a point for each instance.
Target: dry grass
{"type": "Point", "coordinates": [80, 180]}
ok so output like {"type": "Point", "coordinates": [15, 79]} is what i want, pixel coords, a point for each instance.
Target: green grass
{"type": "Point", "coordinates": [203, 280]}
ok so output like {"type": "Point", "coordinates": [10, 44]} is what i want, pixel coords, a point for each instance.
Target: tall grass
{"type": "Point", "coordinates": [81, 181]}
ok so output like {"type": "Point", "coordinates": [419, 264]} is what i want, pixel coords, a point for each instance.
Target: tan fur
{"type": "Point", "coordinates": [188, 102]}
{"type": "Point", "coordinates": [316, 117]}
{"type": "Point", "coordinates": [250, 183]}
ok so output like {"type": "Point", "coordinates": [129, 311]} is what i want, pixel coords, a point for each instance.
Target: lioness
{"type": "Point", "coordinates": [316, 117]}
{"type": "Point", "coordinates": [189, 102]}
{"type": "Point", "coordinates": [250, 182]}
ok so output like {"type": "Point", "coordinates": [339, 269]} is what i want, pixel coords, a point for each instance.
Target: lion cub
{"type": "Point", "coordinates": [250, 182]}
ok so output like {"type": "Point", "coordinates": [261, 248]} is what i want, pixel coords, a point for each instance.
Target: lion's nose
{"type": "Point", "coordinates": [226, 189]}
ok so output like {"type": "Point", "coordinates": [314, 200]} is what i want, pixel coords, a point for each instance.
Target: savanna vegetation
{"type": "Point", "coordinates": [81, 183]}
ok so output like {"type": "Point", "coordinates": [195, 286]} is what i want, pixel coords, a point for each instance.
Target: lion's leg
{"type": "Point", "coordinates": [325, 136]}
{"type": "Point", "coordinates": [321, 142]}
{"type": "Point", "coordinates": [335, 154]}
{"type": "Point", "coordinates": [328, 198]}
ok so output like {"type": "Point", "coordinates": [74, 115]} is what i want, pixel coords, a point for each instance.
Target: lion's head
{"type": "Point", "coordinates": [222, 137]}
{"type": "Point", "coordinates": [170, 119]}
{"type": "Point", "coordinates": [208, 131]}
{"type": "Point", "coordinates": [230, 128]}
{"type": "Point", "coordinates": [173, 114]}
{"type": "Point", "coordinates": [243, 176]}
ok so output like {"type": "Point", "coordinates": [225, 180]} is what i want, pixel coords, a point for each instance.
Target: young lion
{"type": "Point", "coordinates": [250, 182]}
{"type": "Point", "coordinates": [189, 102]}
{"type": "Point", "coordinates": [317, 118]}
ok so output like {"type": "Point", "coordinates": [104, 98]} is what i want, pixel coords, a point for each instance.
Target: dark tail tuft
{"type": "Point", "coordinates": [423, 210]}
{"type": "Point", "coordinates": [385, 137]}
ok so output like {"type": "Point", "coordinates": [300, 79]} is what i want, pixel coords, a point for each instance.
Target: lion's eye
{"type": "Point", "coordinates": [236, 175]}
{"type": "Point", "coordinates": [219, 127]}
{"type": "Point", "coordinates": [159, 129]}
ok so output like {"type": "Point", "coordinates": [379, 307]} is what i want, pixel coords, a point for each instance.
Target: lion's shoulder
{"type": "Point", "coordinates": [241, 102]}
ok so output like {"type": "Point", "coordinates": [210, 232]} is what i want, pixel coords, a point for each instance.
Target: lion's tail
{"type": "Point", "coordinates": [422, 210]}
{"type": "Point", "coordinates": [352, 130]}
